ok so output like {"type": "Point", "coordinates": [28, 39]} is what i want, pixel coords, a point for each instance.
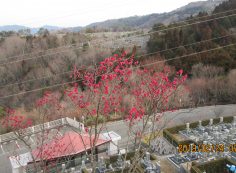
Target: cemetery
{"type": "Point", "coordinates": [205, 144]}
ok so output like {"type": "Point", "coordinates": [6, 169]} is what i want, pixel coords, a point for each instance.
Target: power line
{"type": "Point", "coordinates": [176, 27]}
{"type": "Point", "coordinates": [146, 55]}
{"type": "Point", "coordinates": [86, 12]}
{"type": "Point", "coordinates": [35, 79]}
{"type": "Point", "coordinates": [195, 18]}
{"type": "Point", "coordinates": [66, 72]}
{"type": "Point", "coordinates": [40, 56]}
{"type": "Point", "coordinates": [180, 57]}
{"type": "Point", "coordinates": [139, 35]}
{"type": "Point", "coordinates": [214, 14]}
{"type": "Point", "coordinates": [216, 38]}
{"type": "Point", "coordinates": [69, 46]}
{"type": "Point", "coordinates": [56, 85]}
{"type": "Point", "coordinates": [33, 53]}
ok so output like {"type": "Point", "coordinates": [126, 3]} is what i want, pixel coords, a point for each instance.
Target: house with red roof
{"type": "Point", "coordinates": [68, 146]}
{"type": "Point", "coordinates": [71, 143]}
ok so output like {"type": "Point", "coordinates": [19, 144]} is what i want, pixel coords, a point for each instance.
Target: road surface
{"type": "Point", "coordinates": [179, 117]}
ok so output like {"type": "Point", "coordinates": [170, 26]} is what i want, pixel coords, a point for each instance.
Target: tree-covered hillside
{"type": "Point", "coordinates": [199, 32]}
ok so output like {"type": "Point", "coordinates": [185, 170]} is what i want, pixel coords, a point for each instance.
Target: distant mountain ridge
{"type": "Point", "coordinates": [149, 20]}
{"type": "Point", "coordinates": [16, 28]}
{"type": "Point", "coordinates": [132, 22]}
{"type": "Point", "coordinates": [12, 28]}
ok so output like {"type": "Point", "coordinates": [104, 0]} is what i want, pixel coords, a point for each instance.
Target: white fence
{"type": "Point", "coordinates": [41, 127]}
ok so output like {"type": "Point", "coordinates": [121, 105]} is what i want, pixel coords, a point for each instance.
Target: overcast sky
{"type": "Point", "coordinates": [35, 13]}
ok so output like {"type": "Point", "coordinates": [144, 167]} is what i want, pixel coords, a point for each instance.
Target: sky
{"type": "Point", "coordinates": [70, 13]}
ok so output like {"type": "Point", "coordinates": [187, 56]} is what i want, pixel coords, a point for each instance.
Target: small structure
{"type": "Point", "coordinates": [19, 163]}
{"type": "Point", "coordinates": [113, 145]}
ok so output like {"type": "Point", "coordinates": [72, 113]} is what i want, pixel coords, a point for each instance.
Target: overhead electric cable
{"type": "Point", "coordinates": [66, 72]}
{"type": "Point", "coordinates": [140, 35]}
{"type": "Point", "coordinates": [66, 83]}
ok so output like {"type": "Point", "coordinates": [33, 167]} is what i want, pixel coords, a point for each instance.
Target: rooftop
{"type": "Point", "coordinates": [70, 143]}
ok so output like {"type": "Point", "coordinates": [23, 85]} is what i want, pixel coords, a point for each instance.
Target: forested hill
{"type": "Point", "coordinates": [229, 5]}
{"type": "Point", "coordinates": [212, 29]}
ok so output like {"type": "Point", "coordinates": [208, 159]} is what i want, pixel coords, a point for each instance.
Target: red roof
{"type": "Point", "coordinates": [69, 144]}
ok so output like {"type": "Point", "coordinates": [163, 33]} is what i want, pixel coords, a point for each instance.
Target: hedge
{"type": "Point", "coordinates": [172, 139]}
{"type": "Point", "coordinates": [114, 158]}
{"type": "Point", "coordinates": [129, 156]}
{"type": "Point", "coordinates": [85, 171]}
{"type": "Point", "coordinates": [214, 166]}
{"type": "Point", "coordinates": [139, 169]}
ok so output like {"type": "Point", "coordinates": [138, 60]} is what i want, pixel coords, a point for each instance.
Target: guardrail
{"type": "Point", "coordinates": [41, 127]}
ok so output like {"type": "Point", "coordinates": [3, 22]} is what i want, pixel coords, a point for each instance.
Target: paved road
{"type": "Point", "coordinates": [177, 118]}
